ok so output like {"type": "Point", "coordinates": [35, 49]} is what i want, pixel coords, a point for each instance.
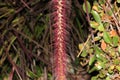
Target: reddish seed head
{"type": "Point", "coordinates": [60, 23]}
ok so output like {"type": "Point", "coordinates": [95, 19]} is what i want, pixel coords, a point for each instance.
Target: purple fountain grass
{"type": "Point", "coordinates": [60, 18]}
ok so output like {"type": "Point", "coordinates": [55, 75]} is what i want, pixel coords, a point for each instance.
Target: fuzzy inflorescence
{"type": "Point", "coordinates": [60, 15]}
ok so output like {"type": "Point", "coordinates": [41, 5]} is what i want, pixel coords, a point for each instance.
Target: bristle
{"type": "Point", "coordinates": [60, 14]}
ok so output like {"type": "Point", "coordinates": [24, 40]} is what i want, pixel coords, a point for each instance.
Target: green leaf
{"type": "Point", "coordinates": [92, 60]}
{"type": "Point", "coordinates": [97, 38]}
{"type": "Point", "coordinates": [50, 76]}
{"type": "Point", "coordinates": [96, 16]}
{"type": "Point", "coordinates": [88, 7]}
{"type": "Point", "coordinates": [118, 1]}
{"type": "Point", "coordinates": [110, 70]}
{"type": "Point", "coordinates": [90, 50]}
{"type": "Point", "coordinates": [118, 68]}
{"type": "Point", "coordinates": [101, 27]}
{"type": "Point", "coordinates": [115, 40]}
{"type": "Point", "coordinates": [97, 50]}
{"type": "Point", "coordinates": [31, 74]}
{"type": "Point", "coordinates": [100, 65]}
{"type": "Point", "coordinates": [107, 78]}
{"type": "Point", "coordinates": [106, 37]}
{"type": "Point", "coordinates": [102, 2]}
{"type": "Point", "coordinates": [94, 78]}
{"type": "Point", "coordinates": [116, 61]}
{"type": "Point", "coordinates": [100, 57]}
{"type": "Point", "coordinates": [84, 53]}
{"type": "Point", "coordinates": [94, 24]}
{"type": "Point", "coordinates": [102, 74]}
{"type": "Point", "coordinates": [92, 69]}
{"type": "Point", "coordinates": [39, 71]}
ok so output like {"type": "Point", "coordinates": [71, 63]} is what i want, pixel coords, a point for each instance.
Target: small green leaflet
{"type": "Point", "coordinates": [92, 60]}
{"type": "Point", "coordinates": [106, 37]}
{"type": "Point", "coordinates": [118, 1]}
{"type": "Point", "coordinates": [96, 16]}
{"type": "Point", "coordinates": [88, 7]}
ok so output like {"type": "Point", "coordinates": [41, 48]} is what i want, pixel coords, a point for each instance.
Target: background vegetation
{"type": "Point", "coordinates": [26, 44]}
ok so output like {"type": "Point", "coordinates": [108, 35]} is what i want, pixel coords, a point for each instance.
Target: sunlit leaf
{"type": "Point", "coordinates": [97, 38]}
{"type": "Point", "coordinates": [94, 24]}
{"type": "Point", "coordinates": [92, 60]}
{"type": "Point", "coordinates": [95, 8]}
{"type": "Point", "coordinates": [118, 68]}
{"type": "Point", "coordinates": [94, 68]}
{"type": "Point", "coordinates": [107, 78]}
{"type": "Point", "coordinates": [102, 1]}
{"type": "Point", "coordinates": [115, 40]}
{"type": "Point", "coordinates": [107, 37]}
{"type": "Point", "coordinates": [116, 61]}
{"type": "Point", "coordinates": [97, 50]}
{"type": "Point", "coordinates": [100, 58]}
{"type": "Point", "coordinates": [110, 70]}
{"type": "Point", "coordinates": [81, 46]}
{"type": "Point", "coordinates": [112, 53]}
{"type": "Point", "coordinates": [100, 65]}
{"type": "Point", "coordinates": [84, 53]}
{"type": "Point", "coordinates": [101, 27]}
{"type": "Point", "coordinates": [90, 50]}
{"type": "Point", "coordinates": [118, 1]}
{"type": "Point", "coordinates": [88, 7]}
{"type": "Point", "coordinates": [96, 16]}
{"type": "Point", "coordinates": [94, 78]}
{"type": "Point", "coordinates": [102, 75]}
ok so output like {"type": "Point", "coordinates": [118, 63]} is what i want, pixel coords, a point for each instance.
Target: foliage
{"type": "Point", "coordinates": [101, 51]}
{"type": "Point", "coordinates": [25, 39]}
{"type": "Point", "coordinates": [60, 15]}
{"type": "Point", "coordinates": [22, 27]}
{"type": "Point", "coordinates": [26, 44]}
